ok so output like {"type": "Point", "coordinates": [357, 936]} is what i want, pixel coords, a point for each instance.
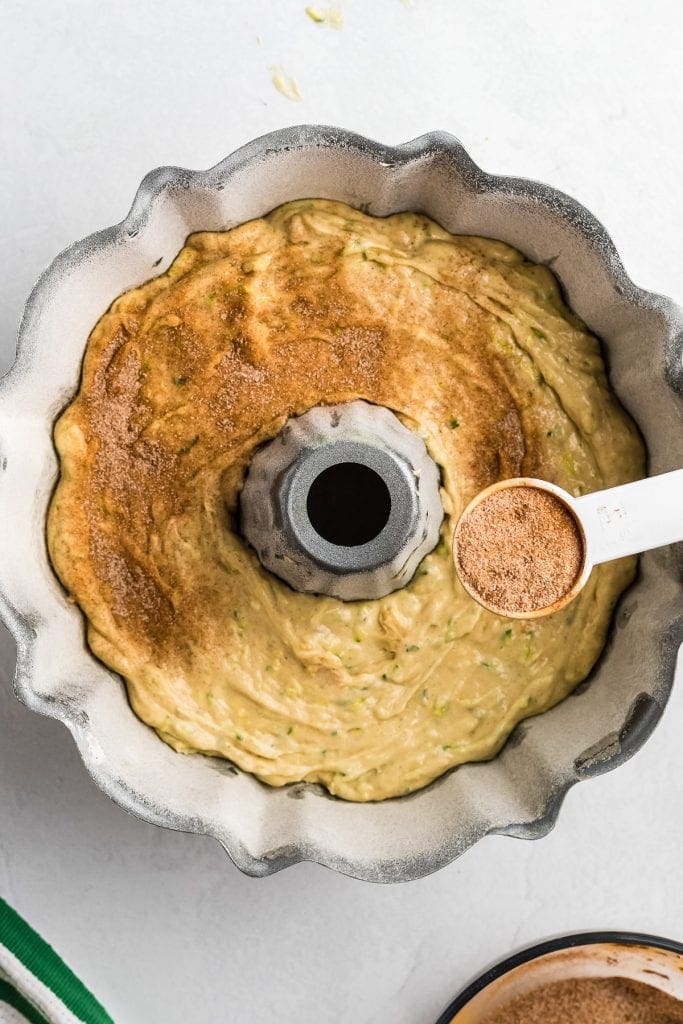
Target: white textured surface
{"type": "Point", "coordinates": [588, 97]}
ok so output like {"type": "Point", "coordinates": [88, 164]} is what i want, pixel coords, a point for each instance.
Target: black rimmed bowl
{"type": "Point", "coordinates": [649, 959]}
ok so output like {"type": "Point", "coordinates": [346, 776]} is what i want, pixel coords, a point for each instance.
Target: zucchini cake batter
{"type": "Point", "coordinates": [183, 378]}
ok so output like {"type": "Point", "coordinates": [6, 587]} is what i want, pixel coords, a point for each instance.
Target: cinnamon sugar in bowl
{"type": "Point", "coordinates": [587, 978]}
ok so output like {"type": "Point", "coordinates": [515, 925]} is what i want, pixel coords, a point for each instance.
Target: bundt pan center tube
{"type": "Point", "coordinates": [265, 828]}
{"type": "Point", "coordinates": [344, 501]}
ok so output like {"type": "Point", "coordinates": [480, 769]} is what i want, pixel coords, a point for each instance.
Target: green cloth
{"type": "Point", "coordinates": [36, 986]}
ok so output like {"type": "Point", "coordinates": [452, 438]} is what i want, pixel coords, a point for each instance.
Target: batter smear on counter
{"type": "Point", "coordinates": [184, 377]}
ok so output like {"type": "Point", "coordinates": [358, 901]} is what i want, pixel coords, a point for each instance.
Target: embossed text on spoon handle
{"type": "Point", "coordinates": [633, 517]}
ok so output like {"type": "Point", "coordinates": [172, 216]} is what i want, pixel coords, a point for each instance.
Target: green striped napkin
{"type": "Point", "coordinates": [36, 986]}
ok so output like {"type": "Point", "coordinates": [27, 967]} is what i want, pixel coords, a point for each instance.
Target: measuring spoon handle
{"type": "Point", "coordinates": [633, 517]}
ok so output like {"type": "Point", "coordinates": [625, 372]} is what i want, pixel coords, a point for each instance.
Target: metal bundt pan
{"type": "Point", "coordinates": [263, 829]}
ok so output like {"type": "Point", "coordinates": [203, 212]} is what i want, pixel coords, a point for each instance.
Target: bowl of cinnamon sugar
{"type": "Point", "coordinates": [591, 978]}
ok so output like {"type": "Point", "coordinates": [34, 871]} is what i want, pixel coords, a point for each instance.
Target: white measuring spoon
{"type": "Point", "coordinates": [613, 523]}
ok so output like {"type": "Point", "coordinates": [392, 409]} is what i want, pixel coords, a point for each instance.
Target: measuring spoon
{"type": "Point", "coordinates": [613, 523]}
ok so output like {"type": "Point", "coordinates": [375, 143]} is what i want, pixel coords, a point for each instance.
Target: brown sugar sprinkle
{"type": "Point", "coordinates": [519, 549]}
{"type": "Point", "coordinates": [591, 1001]}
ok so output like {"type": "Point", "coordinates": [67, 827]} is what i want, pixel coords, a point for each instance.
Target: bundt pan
{"type": "Point", "coordinates": [518, 793]}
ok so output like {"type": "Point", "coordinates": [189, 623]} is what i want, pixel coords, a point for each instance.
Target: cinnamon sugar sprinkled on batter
{"type": "Point", "coordinates": [185, 377]}
{"type": "Point", "coordinates": [519, 549]}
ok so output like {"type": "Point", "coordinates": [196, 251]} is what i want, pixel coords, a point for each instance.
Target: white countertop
{"type": "Point", "coordinates": [587, 96]}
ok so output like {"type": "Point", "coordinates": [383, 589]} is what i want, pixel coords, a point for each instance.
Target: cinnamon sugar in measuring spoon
{"type": "Point", "coordinates": [519, 550]}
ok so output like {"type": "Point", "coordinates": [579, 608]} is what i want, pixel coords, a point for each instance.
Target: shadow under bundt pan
{"type": "Point", "coordinates": [264, 829]}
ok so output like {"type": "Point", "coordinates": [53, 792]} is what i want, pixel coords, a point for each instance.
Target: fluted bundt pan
{"type": "Point", "coordinates": [264, 829]}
